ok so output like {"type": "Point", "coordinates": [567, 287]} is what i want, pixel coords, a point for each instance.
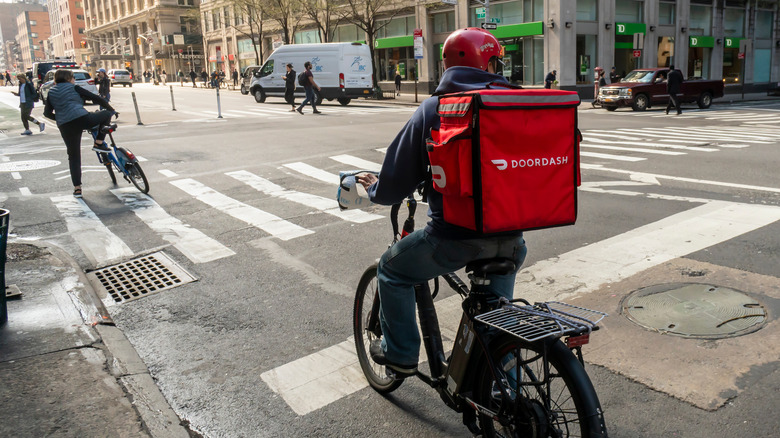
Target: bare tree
{"type": "Point", "coordinates": [251, 23]}
{"type": "Point", "coordinates": [324, 15]}
{"type": "Point", "coordinates": [287, 13]}
{"type": "Point", "coordinates": [371, 16]}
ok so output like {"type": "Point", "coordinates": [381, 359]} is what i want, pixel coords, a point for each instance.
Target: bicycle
{"type": "Point", "coordinates": [509, 372]}
{"type": "Point", "coordinates": [120, 159]}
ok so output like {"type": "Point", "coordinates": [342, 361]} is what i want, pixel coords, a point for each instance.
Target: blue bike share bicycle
{"type": "Point", "coordinates": [120, 159]}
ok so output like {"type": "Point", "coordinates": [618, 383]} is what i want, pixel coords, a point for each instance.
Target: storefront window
{"type": "Point", "coordinates": [399, 59]}
{"type": "Point", "coordinates": [666, 11]}
{"type": "Point", "coordinates": [701, 20]}
{"type": "Point", "coordinates": [732, 65]}
{"type": "Point", "coordinates": [734, 22]}
{"type": "Point", "coordinates": [699, 62]}
{"type": "Point", "coordinates": [665, 51]}
{"type": "Point", "coordinates": [347, 33]}
{"type": "Point", "coordinates": [307, 37]}
{"type": "Point", "coordinates": [520, 11]}
{"type": "Point", "coordinates": [398, 26]}
{"type": "Point", "coordinates": [587, 10]}
{"type": "Point", "coordinates": [761, 65]}
{"type": "Point", "coordinates": [444, 22]}
{"type": "Point", "coordinates": [629, 11]}
{"type": "Point", "coordinates": [764, 20]}
{"type": "Point", "coordinates": [586, 58]}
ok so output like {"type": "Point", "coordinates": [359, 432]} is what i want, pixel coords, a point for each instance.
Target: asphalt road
{"type": "Point", "coordinates": [254, 346]}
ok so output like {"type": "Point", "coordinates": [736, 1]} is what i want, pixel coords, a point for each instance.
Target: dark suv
{"type": "Point", "coordinates": [39, 69]}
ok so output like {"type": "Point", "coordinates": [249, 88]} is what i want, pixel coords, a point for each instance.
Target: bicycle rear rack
{"type": "Point", "coordinates": [542, 320]}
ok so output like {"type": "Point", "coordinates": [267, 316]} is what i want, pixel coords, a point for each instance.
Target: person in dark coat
{"type": "Point", "coordinates": [548, 81]}
{"type": "Point", "coordinates": [193, 75]}
{"type": "Point", "coordinates": [103, 84]}
{"type": "Point", "coordinates": [397, 83]}
{"type": "Point", "coordinates": [27, 96]}
{"type": "Point", "coordinates": [673, 81]}
{"type": "Point", "coordinates": [289, 86]}
{"type": "Point", "coordinates": [234, 75]}
{"type": "Point", "coordinates": [613, 76]}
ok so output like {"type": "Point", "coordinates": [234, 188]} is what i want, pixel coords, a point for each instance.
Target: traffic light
{"type": "Point", "coordinates": [138, 40]}
{"type": "Point", "coordinates": [83, 44]}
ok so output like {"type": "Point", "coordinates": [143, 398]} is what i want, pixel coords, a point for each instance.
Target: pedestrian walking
{"type": "Point", "coordinates": [204, 77]}
{"type": "Point", "coordinates": [193, 75]}
{"type": "Point", "coordinates": [65, 105]}
{"type": "Point", "coordinates": [104, 84]}
{"type": "Point", "coordinates": [308, 86]}
{"type": "Point", "coordinates": [180, 75]}
{"type": "Point", "coordinates": [164, 77]}
{"type": "Point", "coordinates": [602, 79]}
{"type": "Point", "coordinates": [613, 76]}
{"type": "Point", "coordinates": [8, 80]}
{"type": "Point", "coordinates": [289, 86]}
{"type": "Point", "coordinates": [235, 78]}
{"type": "Point", "coordinates": [550, 79]}
{"type": "Point", "coordinates": [27, 97]}
{"type": "Point", "coordinates": [673, 80]}
{"type": "Point", "coordinates": [397, 83]}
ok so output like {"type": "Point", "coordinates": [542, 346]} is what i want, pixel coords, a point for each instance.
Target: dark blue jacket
{"type": "Point", "coordinates": [29, 95]}
{"type": "Point", "coordinates": [406, 161]}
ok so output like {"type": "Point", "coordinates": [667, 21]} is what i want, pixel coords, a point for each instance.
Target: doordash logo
{"type": "Point", "coordinates": [530, 162]}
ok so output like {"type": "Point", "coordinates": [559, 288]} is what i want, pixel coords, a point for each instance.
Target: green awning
{"type": "Point", "coordinates": [701, 41]}
{"type": "Point", "coordinates": [630, 28]}
{"type": "Point", "coordinates": [389, 43]}
{"type": "Point", "coordinates": [519, 30]}
{"type": "Point", "coordinates": [624, 45]}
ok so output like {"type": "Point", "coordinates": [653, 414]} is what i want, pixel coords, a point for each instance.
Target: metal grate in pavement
{"type": "Point", "coordinates": [139, 277]}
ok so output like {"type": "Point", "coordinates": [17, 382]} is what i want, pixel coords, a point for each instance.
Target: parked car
{"type": "Point", "coordinates": [40, 68]}
{"type": "Point", "coordinates": [83, 80]}
{"type": "Point", "coordinates": [342, 70]}
{"type": "Point", "coordinates": [119, 76]}
{"type": "Point", "coordinates": [643, 88]}
{"type": "Point", "coordinates": [246, 78]}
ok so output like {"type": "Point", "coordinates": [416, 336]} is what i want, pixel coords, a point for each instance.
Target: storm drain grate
{"type": "Point", "coordinates": [694, 310]}
{"type": "Point", "coordinates": [139, 277]}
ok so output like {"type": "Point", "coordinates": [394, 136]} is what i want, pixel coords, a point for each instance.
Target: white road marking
{"type": "Point", "coordinates": [610, 156]}
{"type": "Point", "coordinates": [360, 163]}
{"type": "Point", "coordinates": [83, 171]}
{"type": "Point", "coordinates": [16, 175]}
{"type": "Point", "coordinates": [324, 377]}
{"type": "Point", "coordinates": [325, 205]}
{"type": "Point", "coordinates": [195, 245]}
{"type": "Point", "coordinates": [25, 191]}
{"type": "Point", "coordinates": [659, 145]}
{"type": "Point", "coordinates": [140, 158]}
{"type": "Point", "coordinates": [618, 148]}
{"type": "Point", "coordinates": [267, 222]}
{"type": "Point", "coordinates": [99, 244]}
{"type": "Point", "coordinates": [326, 177]}
{"type": "Point", "coordinates": [168, 173]}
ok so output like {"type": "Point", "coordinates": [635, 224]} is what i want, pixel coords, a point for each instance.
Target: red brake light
{"type": "Point", "coordinates": [129, 154]}
{"type": "Point", "coordinates": [113, 77]}
{"type": "Point", "coordinates": [341, 80]}
{"type": "Point", "coordinates": [91, 82]}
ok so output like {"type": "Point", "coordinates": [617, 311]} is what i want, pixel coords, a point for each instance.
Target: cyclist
{"type": "Point", "coordinates": [65, 105]}
{"type": "Point", "coordinates": [471, 59]}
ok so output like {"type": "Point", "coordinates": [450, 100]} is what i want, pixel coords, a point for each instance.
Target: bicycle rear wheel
{"type": "Point", "coordinates": [137, 177]}
{"type": "Point", "coordinates": [565, 405]}
{"type": "Point", "coordinates": [364, 302]}
{"type": "Point", "coordinates": [110, 169]}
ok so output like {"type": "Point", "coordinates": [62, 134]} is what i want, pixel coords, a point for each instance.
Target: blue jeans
{"type": "Point", "coordinates": [311, 97]}
{"type": "Point", "coordinates": [420, 257]}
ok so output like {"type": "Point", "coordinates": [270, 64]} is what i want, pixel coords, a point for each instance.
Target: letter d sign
{"type": "Point", "coordinates": [621, 28]}
{"type": "Point", "coordinates": [694, 42]}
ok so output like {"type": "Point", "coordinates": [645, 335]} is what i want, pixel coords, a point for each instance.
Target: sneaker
{"type": "Point", "coordinates": [27, 132]}
{"type": "Point", "coordinates": [317, 112]}
{"type": "Point", "coordinates": [77, 193]}
{"type": "Point", "coordinates": [299, 110]}
{"type": "Point", "coordinates": [42, 126]}
{"type": "Point", "coordinates": [101, 148]}
{"type": "Point", "coordinates": [378, 356]}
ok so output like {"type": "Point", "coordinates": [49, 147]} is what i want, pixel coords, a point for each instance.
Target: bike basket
{"type": "Point", "coordinates": [543, 320]}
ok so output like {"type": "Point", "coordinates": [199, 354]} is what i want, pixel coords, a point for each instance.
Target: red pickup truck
{"type": "Point", "coordinates": [646, 87]}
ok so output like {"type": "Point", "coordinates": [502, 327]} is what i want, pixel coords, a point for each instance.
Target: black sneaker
{"type": "Point", "coordinates": [378, 356]}
{"type": "Point", "coordinates": [102, 147]}
{"type": "Point", "coordinates": [317, 112]}
{"type": "Point", "coordinates": [299, 110]}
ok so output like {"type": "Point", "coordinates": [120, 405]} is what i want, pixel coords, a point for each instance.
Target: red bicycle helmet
{"type": "Point", "coordinates": [471, 47]}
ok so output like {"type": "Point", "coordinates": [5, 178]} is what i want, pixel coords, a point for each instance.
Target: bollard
{"type": "Point", "coordinates": [135, 104]}
{"type": "Point", "coordinates": [4, 223]}
{"type": "Point", "coordinates": [219, 105]}
{"type": "Point", "coordinates": [173, 104]}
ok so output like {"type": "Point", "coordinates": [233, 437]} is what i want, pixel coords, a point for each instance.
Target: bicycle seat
{"type": "Point", "coordinates": [483, 267]}
{"type": "Point", "coordinates": [109, 128]}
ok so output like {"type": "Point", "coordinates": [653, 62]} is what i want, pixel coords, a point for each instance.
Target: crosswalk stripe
{"type": "Point", "coordinates": [308, 170]}
{"type": "Point", "coordinates": [740, 135]}
{"type": "Point", "coordinates": [321, 378]}
{"type": "Point", "coordinates": [610, 156]}
{"type": "Point", "coordinates": [618, 148]}
{"type": "Point", "coordinates": [326, 205]}
{"type": "Point", "coordinates": [191, 242]}
{"type": "Point", "coordinates": [360, 163]}
{"type": "Point", "coordinates": [712, 136]}
{"type": "Point", "coordinates": [99, 244]}
{"type": "Point", "coordinates": [664, 135]}
{"type": "Point", "coordinates": [267, 222]}
{"type": "Point", "coordinates": [661, 145]}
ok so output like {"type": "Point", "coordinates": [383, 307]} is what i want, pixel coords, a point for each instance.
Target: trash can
{"type": "Point", "coordinates": [4, 216]}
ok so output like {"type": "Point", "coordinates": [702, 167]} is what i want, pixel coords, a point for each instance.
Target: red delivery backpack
{"type": "Point", "coordinates": [507, 160]}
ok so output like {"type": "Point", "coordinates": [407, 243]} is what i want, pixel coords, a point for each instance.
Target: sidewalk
{"type": "Point", "coordinates": [65, 370]}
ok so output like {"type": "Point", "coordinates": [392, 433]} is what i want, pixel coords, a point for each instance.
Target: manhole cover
{"type": "Point", "coordinates": [139, 277]}
{"type": "Point", "coordinates": [20, 166]}
{"type": "Point", "coordinates": [694, 310]}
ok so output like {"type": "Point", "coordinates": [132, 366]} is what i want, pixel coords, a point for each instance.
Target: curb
{"type": "Point", "coordinates": [122, 361]}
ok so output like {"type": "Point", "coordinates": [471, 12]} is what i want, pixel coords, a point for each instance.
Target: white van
{"type": "Point", "coordinates": [342, 70]}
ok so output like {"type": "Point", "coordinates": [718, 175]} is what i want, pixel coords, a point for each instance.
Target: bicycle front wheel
{"type": "Point", "coordinates": [367, 293]}
{"type": "Point", "coordinates": [110, 169]}
{"type": "Point", "coordinates": [137, 177]}
{"type": "Point", "coordinates": [564, 404]}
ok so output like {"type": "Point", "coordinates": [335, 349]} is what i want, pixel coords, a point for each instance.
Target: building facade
{"type": "Point", "coordinates": [8, 31]}
{"type": "Point", "coordinates": [143, 35]}
{"type": "Point", "coordinates": [32, 30]}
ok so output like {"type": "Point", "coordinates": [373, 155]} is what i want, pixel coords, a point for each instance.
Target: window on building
{"type": "Point", "coordinates": [764, 20]}
{"type": "Point", "coordinates": [701, 20]}
{"type": "Point", "coordinates": [226, 15]}
{"type": "Point", "coordinates": [238, 17]}
{"type": "Point", "coordinates": [307, 37]}
{"type": "Point", "coordinates": [33, 35]}
{"type": "Point", "coordinates": [81, 31]}
{"type": "Point", "coordinates": [185, 3]}
{"type": "Point", "coordinates": [79, 17]}
{"type": "Point", "coordinates": [734, 22]}
{"type": "Point", "coordinates": [444, 22]}
{"type": "Point", "coordinates": [33, 22]}
{"type": "Point", "coordinates": [762, 65]}
{"type": "Point", "coordinates": [666, 12]}
{"type": "Point", "coordinates": [79, 4]}
{"type": "Point", "coordinates": [206, 22]}
{"type": "Point", "coordinates": [215, 20]}
{"type": "Point", "coordinates": [586, 58]}
{"type": "Point", "coordinates": [629, 11]}
{"type": "Point", "coordinates": [347, 33]}
{"type": "Point", "coordinates": [587, 10]}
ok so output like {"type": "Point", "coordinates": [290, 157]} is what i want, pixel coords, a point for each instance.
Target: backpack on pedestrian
{"type": "Point", "coordinates": [303, 80]}
{"type": "Point", "coordinates": [506, 160]}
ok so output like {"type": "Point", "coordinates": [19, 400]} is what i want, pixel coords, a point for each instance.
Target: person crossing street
{"type": "Point", "coordinates": [673, 80]}
{"type": "Point", "coordinates": [27, 96]}
{"type": "Point", "coordinates": [308, 86]}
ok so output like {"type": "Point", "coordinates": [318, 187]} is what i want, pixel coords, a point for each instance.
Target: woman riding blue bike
{"type": "Point", "coordinates": [65, 105]}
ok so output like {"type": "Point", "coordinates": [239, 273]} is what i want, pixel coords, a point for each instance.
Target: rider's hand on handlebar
{"type": "Point", "coordinates": [116, 115]}
{"type": "Point", "coordinates": [366, 179]}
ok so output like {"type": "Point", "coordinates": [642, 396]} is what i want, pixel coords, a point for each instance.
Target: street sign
{"type": "Point", "coordinates": [741, 56]}
{"type": "Point", "coordinates": [480, 12]}
{"type": "Point", "coordinates": [180, 51]}
{"type": "Point", "coordinates": [450, 2]}
{"type": "Point", "coordinates": [639, 41]}
{"type": "Point", "coordinates": [418, 44]}
{"type": "Point", "coordinates": [495, 20]}
{"type": "Point", "coordinates": [489, 26]}
{"type": "Point", "coordinates": [178, 39]}
{"type": "Point", "coordinates": [637, 53]}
